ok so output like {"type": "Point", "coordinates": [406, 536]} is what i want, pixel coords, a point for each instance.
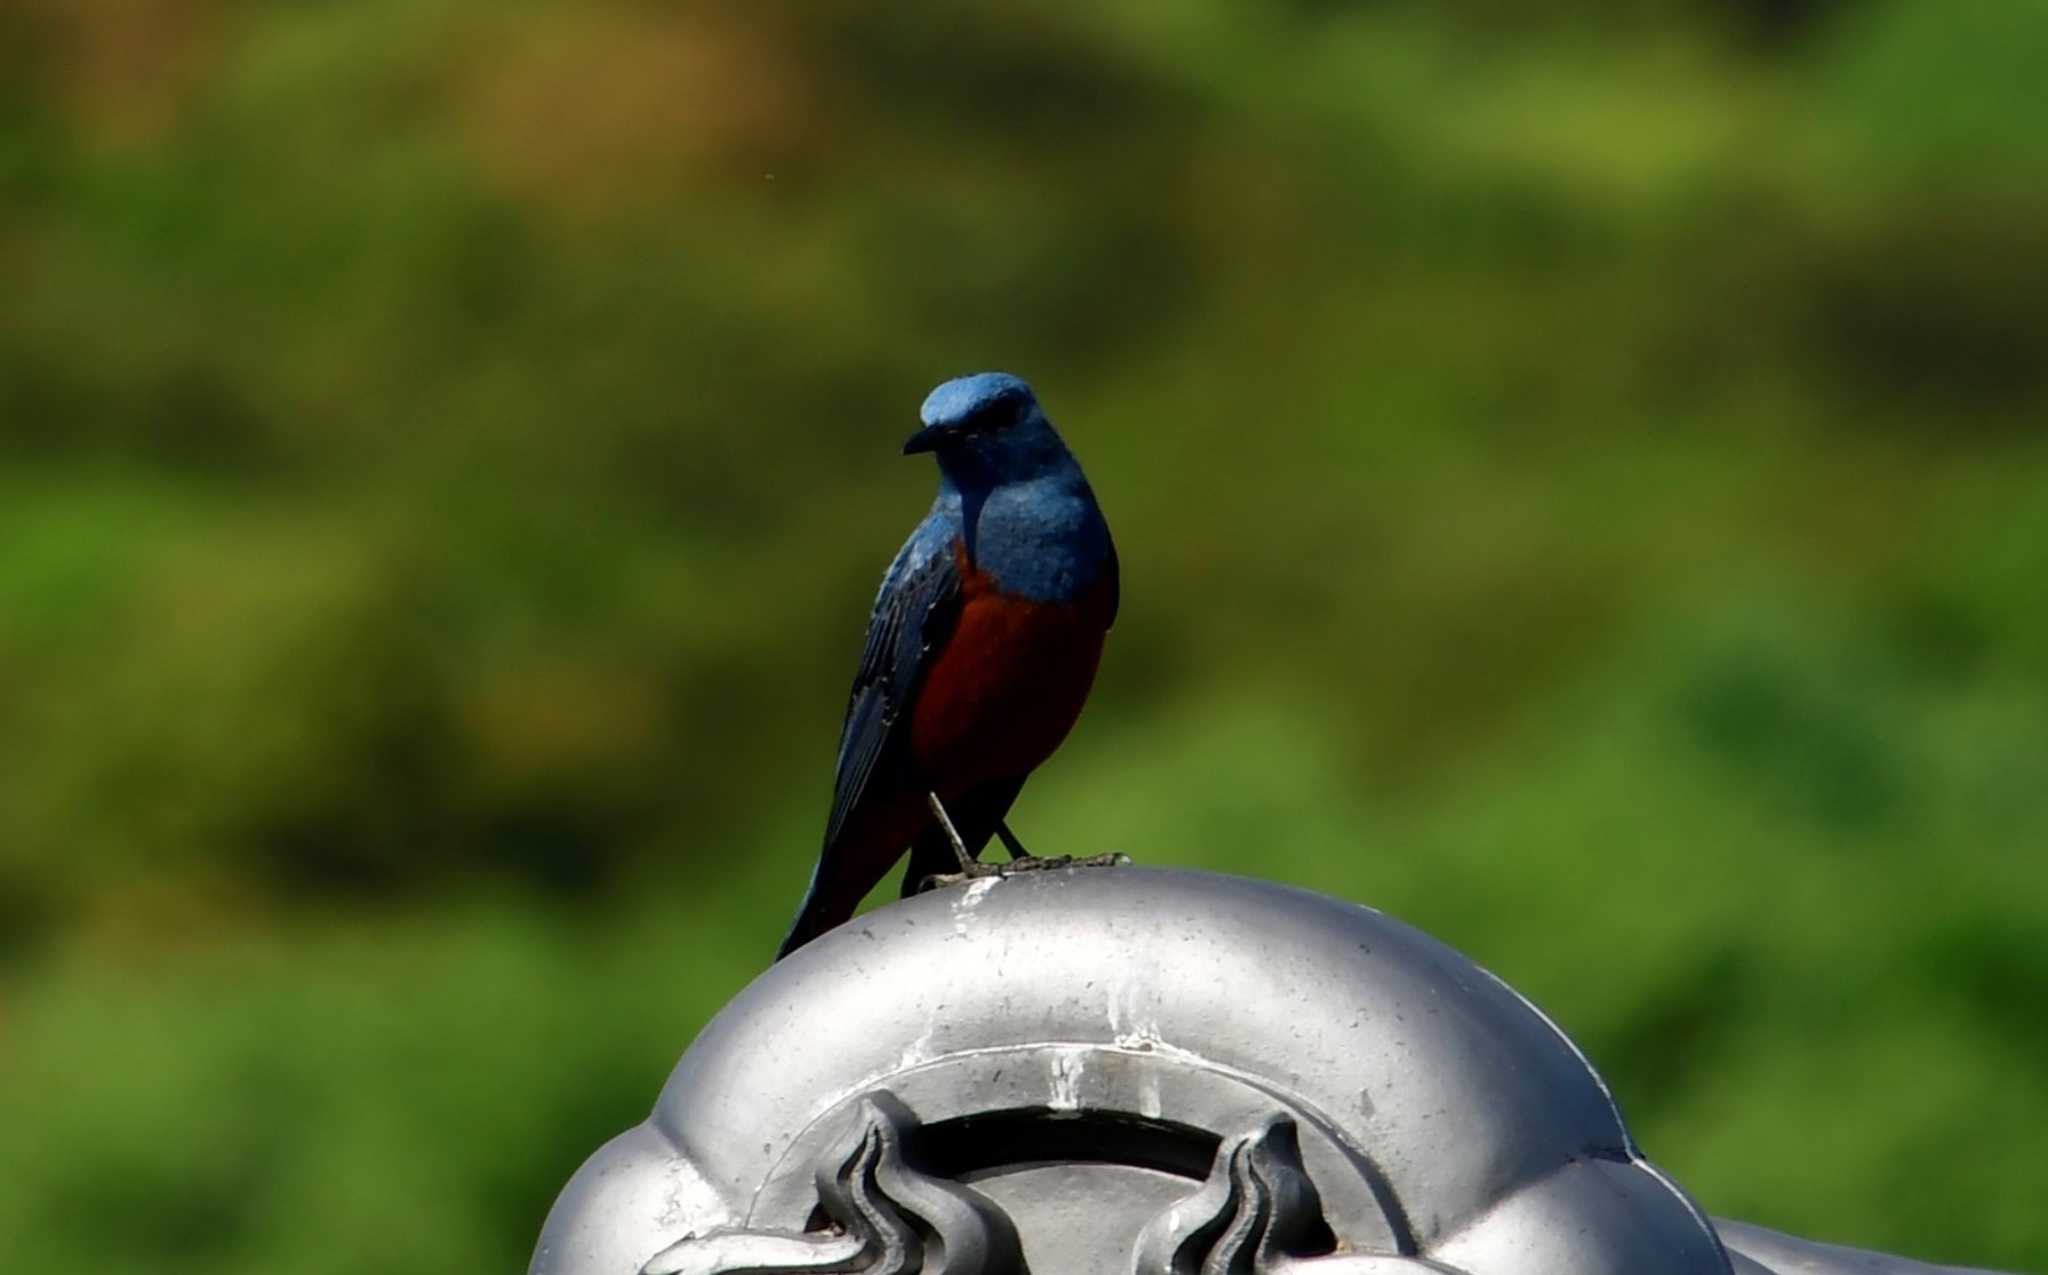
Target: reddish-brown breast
{"type": "Point", "coordinates": [1008, 685]}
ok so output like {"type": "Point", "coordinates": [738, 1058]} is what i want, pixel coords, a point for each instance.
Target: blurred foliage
{"type": "Point", "coordinates": [1579, 470]}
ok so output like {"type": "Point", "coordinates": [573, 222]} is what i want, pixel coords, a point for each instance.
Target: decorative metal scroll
{"type": "Point", "coordinates": [888, 1218]}
{"type": "Point", "coordinates": [1257, 1214]}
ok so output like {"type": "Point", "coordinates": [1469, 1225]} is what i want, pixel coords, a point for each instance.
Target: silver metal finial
{"type": "Point", "coordinates": [1118, 1071]}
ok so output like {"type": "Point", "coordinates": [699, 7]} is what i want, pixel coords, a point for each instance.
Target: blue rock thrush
{"type": "Point", "coordinates": [981, 650]}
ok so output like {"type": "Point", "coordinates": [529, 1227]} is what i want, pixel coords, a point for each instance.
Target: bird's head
{"type": "Point", "coordinates": [987, 429]}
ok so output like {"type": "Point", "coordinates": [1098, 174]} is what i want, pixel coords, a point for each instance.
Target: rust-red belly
{"type": "Point", "coordinates": [1007, 687]}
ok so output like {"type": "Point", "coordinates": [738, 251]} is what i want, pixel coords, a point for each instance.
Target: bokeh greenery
{"type": "Point", "coordinates": [1579, 470]}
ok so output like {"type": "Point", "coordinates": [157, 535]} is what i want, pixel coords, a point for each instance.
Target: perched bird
{"type": "Point", "coordinates": [980, 652]}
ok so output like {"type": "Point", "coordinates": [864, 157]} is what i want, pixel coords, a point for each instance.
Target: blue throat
{"type": "Point", "coordinates": [1011, 490]}
{"type": "Point", "coordinates": [1040, 538]}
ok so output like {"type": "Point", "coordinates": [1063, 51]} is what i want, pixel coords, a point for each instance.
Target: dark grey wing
{"type": "Point", "coordinates": [913, 616]}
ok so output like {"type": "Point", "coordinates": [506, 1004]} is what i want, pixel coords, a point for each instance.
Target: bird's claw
{"type": "Point", "coordinates": [1029, 863]}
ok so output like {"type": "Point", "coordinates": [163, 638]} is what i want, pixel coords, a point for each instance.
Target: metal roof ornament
{"type": "Point", "coordinates": [1140, 1072]}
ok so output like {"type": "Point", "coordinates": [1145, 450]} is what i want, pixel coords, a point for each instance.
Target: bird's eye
{"type": "Point", "coordinates": [998, 415]}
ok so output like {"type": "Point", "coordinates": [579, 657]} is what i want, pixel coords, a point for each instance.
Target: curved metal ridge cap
{"type": "Point", "coordinates": [1635, 1155]}
{"type": "Point", "coordinates": [1590, 1217]}
{"type": "Point", "coordinates": [1759, 1251]}
{"type": "Point", "coordinates": [1458, 1089]}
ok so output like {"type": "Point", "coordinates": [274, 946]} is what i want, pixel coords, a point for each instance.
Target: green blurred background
{"type": "Point", "coordinates": [1579, 470]}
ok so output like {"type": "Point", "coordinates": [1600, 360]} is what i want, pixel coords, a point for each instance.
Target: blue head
{"type": "Point", "coordinates": [1010, 490]}
{"type": "Point", "coordinates": [987, 430]}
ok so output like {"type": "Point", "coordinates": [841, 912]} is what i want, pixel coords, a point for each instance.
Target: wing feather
{"type": "Point", "coordinates": [913, 614]}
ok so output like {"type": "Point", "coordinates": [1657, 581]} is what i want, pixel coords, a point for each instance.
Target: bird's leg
{"type": "Point", "coordinates": [969, 865]}
{"type": "Point", "coordinates": [1022, 860]}
{"type": "Point", "coordinates": [1010, 842]}
{"type": "Point", "coordinates": [972, 869]}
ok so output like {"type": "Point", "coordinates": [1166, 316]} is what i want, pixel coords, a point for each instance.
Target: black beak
{"type": "Point", "coordinates": [928, 439]}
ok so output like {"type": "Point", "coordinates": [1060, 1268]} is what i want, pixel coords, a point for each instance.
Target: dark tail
{"type": "Point", "coordinates": [812, 919]}
{"type": "Point", "coordinates": [871, 839]}
{"type": "Point", "coordinates": [847, 870]}
{"type": "Point", "coordinates": [843, 877]}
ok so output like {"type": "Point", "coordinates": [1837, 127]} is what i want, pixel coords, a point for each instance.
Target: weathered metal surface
{"type": "Point", "coordinates": [1136, 1072]}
